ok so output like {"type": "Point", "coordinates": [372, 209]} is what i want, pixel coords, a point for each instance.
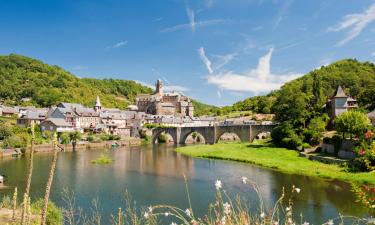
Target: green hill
{"type": "Point", "coordinates": [358, 79]}
{"type": "Point", "coordinates": [46, 85]}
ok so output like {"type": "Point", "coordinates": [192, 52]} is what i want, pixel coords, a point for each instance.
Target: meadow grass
{"type": "Point", "coordinates": [282, 159]}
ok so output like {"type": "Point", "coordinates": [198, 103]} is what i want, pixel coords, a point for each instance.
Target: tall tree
{"type": "Point", "coordinates": [74, 137]}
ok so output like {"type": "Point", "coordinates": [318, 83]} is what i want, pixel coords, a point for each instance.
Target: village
{"type": "Point", "coordinates": [159, 109]}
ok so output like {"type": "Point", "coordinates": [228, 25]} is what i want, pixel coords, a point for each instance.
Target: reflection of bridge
{"type": "Point", "coordinates": [212, 134]}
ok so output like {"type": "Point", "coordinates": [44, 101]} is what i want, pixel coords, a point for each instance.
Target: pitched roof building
{"type": "Point", "coordinates": [340, 103]}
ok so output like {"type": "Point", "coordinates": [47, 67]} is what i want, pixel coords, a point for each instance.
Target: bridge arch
{"type": "Point", "coordinates": [228, 136]}
{"type": "Point", "coordinates": [190, 133]}
{"type": "Point", "coordinates": [156, 134]}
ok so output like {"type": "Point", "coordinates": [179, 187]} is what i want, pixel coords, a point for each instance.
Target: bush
{"type": "Point", "coordinates": [337, 142]}
{"type": "Point", "coordinates": [54, 214]}
{"type": "Point", "coordinates": [162, 138]}
{"type": "Point", "coordinates": [291, 142]}
{"type": "Point", "coordinates": [90, 138]}
{"type": "Point", "coordinates": [16, 141]}
{"type": "Point", "coordinates": [284, 136]}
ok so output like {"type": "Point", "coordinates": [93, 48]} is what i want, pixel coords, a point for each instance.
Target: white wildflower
{"type": "Point", "coordinates": [275, 223]}
{"type": "Point", "coordinates": [146, 215]}
{"type": "Point", "coordinates": [330, 222]}
{"type": "Point", "coordinates": [150, 209]}
{"type": "Point", "coordinates": [306, 223]}
{"type": "Point", "coordinates": [173, 223]}
{"type": "Point", "coordinates": [223, 220]}
{"type": "Point", "coordinates": [298, 190]}
{"type": "Point", "coordinates": [187, 211]}
{"type": "Point", "coordinates": [226, 208]}
{"type": "Point", "coordinates": [288, 209]}
{"type": "Point", "coordinates": [290, 221]}
{"type": "Point", "coordinates": [218, 184]}
{"type": "Point", "coordinates": [167, 214]}
{"type": "Point", "coordinates": [262, 215]}
{"type": "Point", "coordinates": [244, 180]}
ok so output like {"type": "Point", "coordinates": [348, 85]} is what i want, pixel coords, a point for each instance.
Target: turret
{"type": "Point", "coordinates": [159, 87]}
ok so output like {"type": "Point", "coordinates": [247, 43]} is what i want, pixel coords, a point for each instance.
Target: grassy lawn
{"type": "Point", "coordinates": [282, 159]}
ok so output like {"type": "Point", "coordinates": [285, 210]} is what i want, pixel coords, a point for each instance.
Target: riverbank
{"type": "Point", "coordinates": [282, 159]}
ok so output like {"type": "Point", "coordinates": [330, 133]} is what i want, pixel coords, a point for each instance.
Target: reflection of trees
{"type": "Point", "coordinates": [318, 193]}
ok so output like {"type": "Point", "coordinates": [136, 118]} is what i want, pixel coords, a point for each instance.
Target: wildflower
{"type": "Point", "coordinates": [290, 221]}
{"type": "Point", "coordinates": [150, 209]}
{"type": "Point", "coordinates": [362, 152]}
{"type": "Point", "coordinates": [288, 209]}
{"type": "Point", "coordinates": [368, 134]}
{"type": "Point", "coordinates": [146, 215]}
{"type": "Point", "coordinates": [244, 180]}
{"type": "Point", "coordinates": [262, 215]}
{"type": "Point", "coordinates": [218, 184]}
{"type": "Point", "coordinates": [226, 208]}
{"type": "Point", "coordinates": [306, 223]}
{"type": "Point", "coordinates": [223, 220]}
{"type": "Point", "coordinates": [187, 211]}
{"type": "Point", "coordinates": [298, 190]}
{"type": "Point", "coordinates": [167, 214]}
{"type": "Point", "coordinates": [275, 223]}
{"type": "Point", "coordinates": [330, 222]}
{"type": "Point", "coordinates": [173, 223]}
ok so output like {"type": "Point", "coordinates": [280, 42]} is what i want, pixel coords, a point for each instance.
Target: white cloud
{"type": "Point", "coordinates": [120, 44]}
{"type": "Point", "coordinates": [193, 26]}
{"type": "Point", "coordinates": [257, 80]}
{"type": "Point", "coordinates": [373, 54]}
{"type": "Point", "coordinates": [223, 60]}
{"type": "Point", "coordinates": [355, 24]}
{"type": "Point", "coordinates": [206, 61]}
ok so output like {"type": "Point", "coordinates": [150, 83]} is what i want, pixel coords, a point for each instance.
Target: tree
{"type": "Point", "coordinates": [5, 132]}
{"type": "Point", "coordinates": [316, 127]}
{"type": "Point", "coordinates": [352, 122]}
{"type": "Point", "coordinates": [74, 137]}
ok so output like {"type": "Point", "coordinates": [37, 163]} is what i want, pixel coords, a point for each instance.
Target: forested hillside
{"type": "Point", "coordinates": [46, 85]}
{"type": "Point", "coordinates": [358, 79]}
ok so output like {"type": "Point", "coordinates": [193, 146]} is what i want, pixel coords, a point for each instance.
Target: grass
{"type": "Point", "coordinates": [281, 159]}
{"type": "Point", "coordinates": [102, 160]}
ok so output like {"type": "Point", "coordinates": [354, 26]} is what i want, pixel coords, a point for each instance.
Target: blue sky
{"type": "Point", "coordinates": [216, 51]}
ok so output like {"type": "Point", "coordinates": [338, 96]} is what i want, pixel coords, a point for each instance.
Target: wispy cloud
{"type": "Point", "coordinates": [257, 80]}
{"type": "Point", "coordinates": [193, 24]}
{"type": "Point", "coordinates": [373, 54]}
{"type": "Point", "coordinates": [355, 24]}
{"type": "Point", "coordinates": [120, 44]}
{"type": "Point", "coordinates": [206, 61]}
{"type": "Point", "coordinates": [199, 24]}
{"type": "Point", "coordinates": [281, 13]}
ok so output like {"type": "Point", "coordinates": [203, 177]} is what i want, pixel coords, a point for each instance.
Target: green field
{"type": "Point", "coordinates": [281, 159]}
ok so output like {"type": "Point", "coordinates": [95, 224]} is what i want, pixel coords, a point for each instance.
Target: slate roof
{"type": "Point", "coordinates": [340, 93]}
{"type": "Point", "coordinates": [59, 122]}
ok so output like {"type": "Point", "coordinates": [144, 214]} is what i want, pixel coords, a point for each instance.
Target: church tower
{"type": "Point", "coordinates": [159, 87]}
{"type": "Point", "coordinates": [98, 105]}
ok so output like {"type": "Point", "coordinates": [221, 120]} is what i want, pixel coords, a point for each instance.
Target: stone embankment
{"type": "Point", "coordinates": [69, 147]}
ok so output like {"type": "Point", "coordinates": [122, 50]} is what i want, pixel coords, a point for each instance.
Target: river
{"type": "Point", "coordinates": [155, 175]}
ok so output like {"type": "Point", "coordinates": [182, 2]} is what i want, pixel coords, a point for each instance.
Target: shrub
{"type": "Point", "coordinates": [162, 138]}
{"type": "Point", "coordinates": [284, 136]}
{"type": "Point", "coordinates": [54, 214]}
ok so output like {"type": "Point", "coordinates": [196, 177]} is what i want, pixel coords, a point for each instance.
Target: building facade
{"type": "Point", "coordinates": [161, 103]}
{"type": "Point", "coordinates": [340, 103]}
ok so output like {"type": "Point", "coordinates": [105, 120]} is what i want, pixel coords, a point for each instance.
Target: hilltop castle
{"type": "Point", "coordinates": [161, 103]}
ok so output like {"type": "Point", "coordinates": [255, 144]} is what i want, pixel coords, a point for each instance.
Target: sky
{"type": "Point", "coordinates": [216, 51]}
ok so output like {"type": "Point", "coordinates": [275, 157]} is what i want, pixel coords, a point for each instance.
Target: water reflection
{"type": "Point", "coordinates": [154, 175]}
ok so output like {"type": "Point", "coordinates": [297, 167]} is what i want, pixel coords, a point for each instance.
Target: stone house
{"type": "Point", "coordinates": [340, 103]}
{"type": "Point", "coordinates": [7, 111]}
{"type": "Point", "coordinates": [56, 125]}
{"type": "Point", "coordinates": [30, 117]}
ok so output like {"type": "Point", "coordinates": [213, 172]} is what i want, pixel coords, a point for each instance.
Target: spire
{"type": "Point", "coordinates": [340, 92]}
{"type": "Point", "coordinates": [98, 105]}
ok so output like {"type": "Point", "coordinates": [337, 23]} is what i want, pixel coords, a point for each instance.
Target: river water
{"type": "Point", "coordinates": [155, 175]}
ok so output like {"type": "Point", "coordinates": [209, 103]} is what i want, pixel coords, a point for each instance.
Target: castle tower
{"type": "Point", "coordinates": [159, 87]}
{"type": "Point", "coordinates": [98, 105]}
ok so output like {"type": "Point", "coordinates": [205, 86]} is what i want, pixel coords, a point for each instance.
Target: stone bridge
{"type": "Point", "coordinates": [212, 134]}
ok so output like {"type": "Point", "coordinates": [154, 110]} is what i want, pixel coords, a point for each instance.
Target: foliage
{"type": "Point", "coordinates": [54, 214]}
{"type": "Point", "coordinates": [162, 138]}
{"type": "Point", "coordinates": [282, 159]}
{"type": "Point", "coordinates": [5, 131]}
{"type": "Point", "coordinates": [365, 160]}
{"type": "Point", "coordinates": [352, 122]}
{"type": "Point", "coordinates": [64, 138]}
{"type": "Point", "coordinates": [154, 126]}
{"type": "Point", "coordinates": [109, 137]}
{"type": "Point", "coordinates": [6, 202]}
{"type": "Point", "coordinates": [102, 159]}
{"type": "Point", "coordinates": [365, 195]}
{"type": "Point", "coordinates": [284, 136]}
{"type": "Point", "coordinates": [316, 127]}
